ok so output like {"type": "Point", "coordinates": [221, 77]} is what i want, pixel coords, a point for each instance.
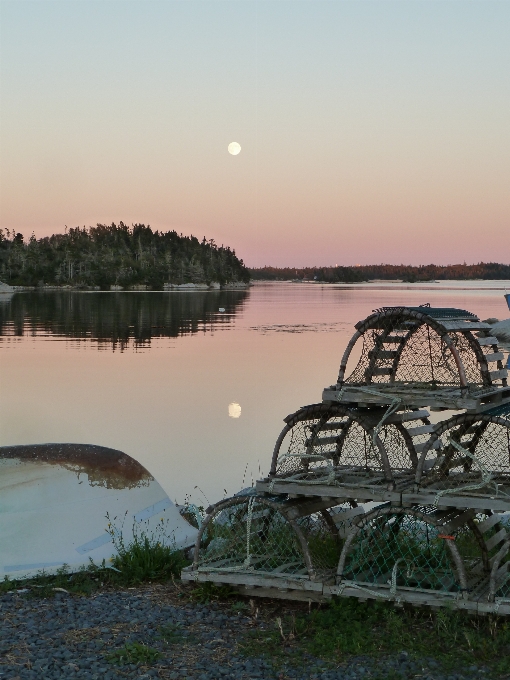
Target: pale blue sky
{"type": "Point", "coordinates": [370, 131]}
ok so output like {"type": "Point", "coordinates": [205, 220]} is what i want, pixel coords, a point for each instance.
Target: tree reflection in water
{"type": "Point", "coordinates": [116, 320]}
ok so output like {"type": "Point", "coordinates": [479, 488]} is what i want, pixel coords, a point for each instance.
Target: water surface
{"type": "Point", "coordinates": [157, 374]}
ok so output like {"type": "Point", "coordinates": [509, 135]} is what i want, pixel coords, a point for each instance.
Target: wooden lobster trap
{"type": "Point", "coordinates": [434, 525]}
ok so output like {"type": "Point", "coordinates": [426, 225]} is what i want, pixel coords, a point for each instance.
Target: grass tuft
{"type": "Point", "coordinates": [134, 653]}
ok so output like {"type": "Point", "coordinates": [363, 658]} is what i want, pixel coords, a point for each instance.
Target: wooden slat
{"type": "Point", "coordinates": [499, 375]}
{"type": "Point", "coordinates": [422, 429]}
{"type": "Point", "coordinates": [451, 500]}
{"type": "Point", "coordinates": [487, 341]}
{"type": "Point", "coordinates": [419, 447]}
{"type": "Point", "coordinates": [248, 579]}
{"type": "Point", "coordinates": [322, 441]}
{"type": "Point", "coordinates": [379, 371]}
{"type": "Point", "coordinates": [494, 356]}
{"type": "Point", "coordinates": [344, 492]}
{"type": "Point", "coordinates": [307, 507]}
{"type": "Point", "coordinates": [452, 399]}
{"type": "Point", "coordinates": [458, 521]}
{"type": "Point", "coordinates": [409, 416]}
{"type": "Point", "coordinates": [497, 538]}
{"type": "Point", "coordinates": [489, 522]}
{"type": "Point", "coordinates": [382, 354]}
{"type": "Point", "coordinates": [415, 415]}
{"type": "Point", "coordinates": [274, 593]}
{"type": "Point", "coordinates": [333, 426]}
{"type": "Point", "coordinates": [464, 325]}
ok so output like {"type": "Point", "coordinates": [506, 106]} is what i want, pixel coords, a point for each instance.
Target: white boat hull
{"type": "Point", "coordinates": [54, 502]}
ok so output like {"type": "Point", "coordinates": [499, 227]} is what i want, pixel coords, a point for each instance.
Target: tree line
{"type": "Point", "coordinates": [116, 254]}
{"type": "Point", "coordinates": [407, 273]}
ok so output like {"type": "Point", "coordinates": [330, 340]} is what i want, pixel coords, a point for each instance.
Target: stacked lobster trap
{"type": "Point", "coordinates": [366, 497]}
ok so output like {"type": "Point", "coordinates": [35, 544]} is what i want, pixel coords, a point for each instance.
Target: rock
{"type": "Point", "coordinates": [502, 330]}
{"type": "Point", "coordinates": [5, 288]}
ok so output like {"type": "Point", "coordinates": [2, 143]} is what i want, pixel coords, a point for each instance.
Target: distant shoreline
{"type": "Point", "coordinates": [167, 288]}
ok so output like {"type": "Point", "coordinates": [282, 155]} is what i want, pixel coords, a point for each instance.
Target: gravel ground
{"type": "Point", "coordinates": [69, 637]}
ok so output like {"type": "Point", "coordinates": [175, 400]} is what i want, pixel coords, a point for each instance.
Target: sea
{"type": "Point", "coordinates": [194, 385]}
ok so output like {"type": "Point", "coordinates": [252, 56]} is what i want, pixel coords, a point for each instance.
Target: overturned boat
{"type": "Point", "coordinates": [64, 504]}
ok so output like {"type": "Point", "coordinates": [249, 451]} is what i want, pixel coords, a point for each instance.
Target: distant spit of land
{"type": "Point", "coordinates": [385, 272]}
{"type": "Point", "coordinates": [118, 257]}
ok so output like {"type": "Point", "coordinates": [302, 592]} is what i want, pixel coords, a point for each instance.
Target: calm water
{"type": "Point", "coordinates": [153, 374]}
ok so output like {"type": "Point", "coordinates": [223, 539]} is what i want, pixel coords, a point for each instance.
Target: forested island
{"type": "Point", "coordinates": [117, 255]}
{"type": "Point", "coordinates": [406, 273]}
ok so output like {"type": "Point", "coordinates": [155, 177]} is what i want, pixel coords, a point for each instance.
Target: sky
{"type": "Point", "coordinates": [370, 131]}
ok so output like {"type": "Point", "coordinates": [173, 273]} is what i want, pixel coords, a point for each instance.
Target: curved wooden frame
{"type": "Point", "coordinates": [399, 314]}
{"type": "Point", "coordinates": [239, 500]}
{"type": "Point", "coordinates": [324, 412]}
{"type": "Point", "coordinates": [359, 522]}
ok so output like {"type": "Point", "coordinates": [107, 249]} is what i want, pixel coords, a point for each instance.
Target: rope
{"type": "Point", "coordinates": [247, 561]}
{"type": "Point", "coordinates": [394, 572]}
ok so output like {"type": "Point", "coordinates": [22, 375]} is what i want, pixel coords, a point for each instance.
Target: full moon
{"type": "Point", "coordinates": [234, 410]}
{"type": "Point", "coordinates": [234, 148]}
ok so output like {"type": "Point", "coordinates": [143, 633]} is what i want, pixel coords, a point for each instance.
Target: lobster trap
{"type": "Point", "coordinates": [366, 497]}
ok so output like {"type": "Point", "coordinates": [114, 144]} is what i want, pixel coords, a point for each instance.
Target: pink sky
{"type": "Point", "coordinates": [370, 132]}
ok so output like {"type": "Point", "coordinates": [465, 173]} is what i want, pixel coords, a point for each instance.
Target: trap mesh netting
{"type": "Point", "coordinates": [267, 536]}
{"type": "Point", "coordinates": [407, 347]}
{"type": "Point", "coordinates": [414, 549]}
{"type": "Point", "coordinates": [328, 446]}
{"type": "Point", "coordinates": [468, 454]}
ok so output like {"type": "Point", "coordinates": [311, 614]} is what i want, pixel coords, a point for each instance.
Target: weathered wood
{"type": "Point", "coordinates": [343, 492]}
{"type": "Point", "coordinates": [489, 522]}
{"type": "Point", "coordinates": [500, 536]}
{"type": "Point", "coordinates": [434, 446]}
{"type": "Point", "coordinates": [494, 356]}
{"type": "Point", "coordinates": [464, 325]}
{"type": "Point", "coordinates": [274, 593]}
{"type": "Point", "coordinates": [379, 370]}
{"type": "Point", "coordinates": [422, 429]}
{"type": "Point", "coordinates": [307, 507]}
{"type": "Point", "coordinates": [447, 398]}
{"type": "Point", "coordinates": [251, 579]}
{"type": "Point", "coordinates": [487, 341]}
{"type": "Point", "coordinates": [456, 522]}
{"type": "Point", "coordinates": [382, 354]}
{"type": "Point", "coordinates": [453, 501]}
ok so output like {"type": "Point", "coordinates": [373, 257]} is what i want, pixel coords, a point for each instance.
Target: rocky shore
{"type": "Point", "coordinates": [68, 637]}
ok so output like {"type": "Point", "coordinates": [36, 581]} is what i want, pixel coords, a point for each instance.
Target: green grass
{"type": "Point", "coordinates": [347, 628]}
{"type": "Point", "coordinates": [134, 652]}
{"type": "Point", "coordinates": [171, 633]}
